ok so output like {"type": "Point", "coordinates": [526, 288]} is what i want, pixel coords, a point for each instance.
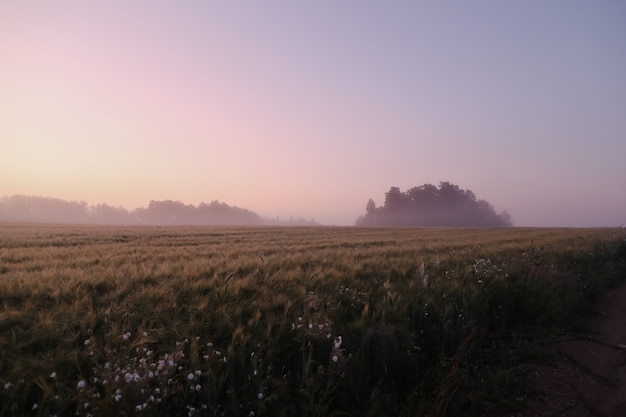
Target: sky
{"type": "Point", "coordinates": [308, 109]}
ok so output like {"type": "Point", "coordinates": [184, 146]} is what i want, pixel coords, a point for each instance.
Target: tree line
{"type": "Point", "coordinates": [20, 208]}
{"type": "Point", "coordinates": [429, 205]}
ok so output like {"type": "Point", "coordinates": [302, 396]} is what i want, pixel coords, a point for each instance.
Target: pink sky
{"type": "Point", "coordinates": [309, 109]}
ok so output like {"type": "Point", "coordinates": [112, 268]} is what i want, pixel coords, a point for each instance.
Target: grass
{"type": "Point", "coordinates": [286, 321]}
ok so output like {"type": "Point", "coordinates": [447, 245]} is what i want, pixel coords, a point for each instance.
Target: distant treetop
{"type": "Point", "coordinates": [428, 205]}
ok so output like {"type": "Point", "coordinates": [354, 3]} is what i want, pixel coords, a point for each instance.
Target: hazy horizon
{"type": "Point", "coordinates": [310, 109]}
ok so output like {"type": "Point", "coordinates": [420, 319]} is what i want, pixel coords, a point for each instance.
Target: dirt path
{"type": "Point", "coordinates": [588, 377]}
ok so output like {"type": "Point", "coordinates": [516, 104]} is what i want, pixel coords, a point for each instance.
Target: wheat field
{"type": "Point", "coordinates": [311, 321]}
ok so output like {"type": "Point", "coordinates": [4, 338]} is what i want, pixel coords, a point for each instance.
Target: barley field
{"type": "Point", "coordinates": [317, 321]}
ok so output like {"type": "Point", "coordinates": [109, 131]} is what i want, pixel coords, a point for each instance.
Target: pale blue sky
{"type": "Point", "coordinates": [311, 108]}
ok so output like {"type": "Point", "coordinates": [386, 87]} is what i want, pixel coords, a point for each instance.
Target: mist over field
{"type": "Point", "coordinates": [309, 110]}
{"type": "Point", "coordinates": [167, 213]}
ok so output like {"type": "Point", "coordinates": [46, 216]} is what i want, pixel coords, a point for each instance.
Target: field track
{"type": "Point", "coordinates": [587, 377]}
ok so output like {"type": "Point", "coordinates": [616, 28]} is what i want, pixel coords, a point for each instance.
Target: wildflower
{"type": "Point", "coordinates": [335, 358]}
{"type": "Point", "coordinates": [190, 376]}
{"type": "Point", "coordinates": [144, 334]}
{"type": "Point", "coordinates": [35, 406]}
{"type": "Point", "coordinates": [53, 375]}
{"type": "Point", "coordinates": [260, 396]}
{"type": "Point", "coordinates": [139, 407]}
{"type": "Point", "coordinates": [7, 385]}
{"type": "Point", "coordinates": [198, 387]}
{"type": "Point", "coordinates": [134, 377]}
{"type": "Point", "coordinates": [81, 384]}
{"type": "Point", "coordinates": [338, 342]}
{"type": "Point", "coordinates": [87, 342]}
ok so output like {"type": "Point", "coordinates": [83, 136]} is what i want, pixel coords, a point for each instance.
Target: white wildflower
{"type": "Point", "coordinates": [338, 342]}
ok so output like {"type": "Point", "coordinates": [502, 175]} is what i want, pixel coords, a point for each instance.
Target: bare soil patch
{"type": "Point", "coordinates": [588, 375]}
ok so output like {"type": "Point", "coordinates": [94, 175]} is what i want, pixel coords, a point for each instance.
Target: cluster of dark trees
{"type": "Point", "coordinates": [428, 205]}
{"type": "Point", "coordinates": [20, 208]}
